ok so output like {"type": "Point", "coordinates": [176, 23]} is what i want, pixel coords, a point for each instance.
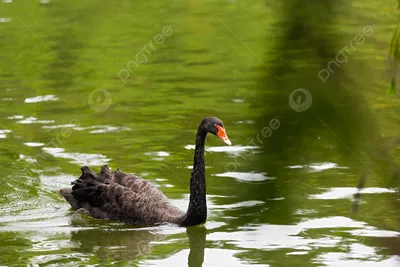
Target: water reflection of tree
{"type": "Point", "coordinates": [309, 33]}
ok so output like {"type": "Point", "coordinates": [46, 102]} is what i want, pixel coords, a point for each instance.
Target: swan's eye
{"type": "Point", "coordinates": [222, 134]}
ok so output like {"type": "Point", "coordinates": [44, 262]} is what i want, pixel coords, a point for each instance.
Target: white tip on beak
{"type": "Point", "coordinates": [227, 141]}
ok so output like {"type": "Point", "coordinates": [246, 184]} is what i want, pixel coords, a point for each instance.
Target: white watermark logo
{"type": "Point", "coordinates": [100, 100]}
{"type": "Point", "coordinates": [301, 101]}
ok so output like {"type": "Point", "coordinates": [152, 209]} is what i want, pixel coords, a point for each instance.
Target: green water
{"type": "Point", "coordinates": [126, 83]}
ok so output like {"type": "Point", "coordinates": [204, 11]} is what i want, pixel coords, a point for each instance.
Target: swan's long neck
{"type": "Point", "coordinates": [197, 210]}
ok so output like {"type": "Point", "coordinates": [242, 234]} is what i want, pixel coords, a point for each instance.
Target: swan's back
{"type": "Point", "coordinates": [120, 196]}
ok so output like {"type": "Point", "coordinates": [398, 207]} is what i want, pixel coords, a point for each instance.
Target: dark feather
{"type": "Point", "coordinates": [120, 196]}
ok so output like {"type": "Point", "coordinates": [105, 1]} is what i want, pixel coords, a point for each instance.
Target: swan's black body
{"type": "Point", "coordinates": [125, 197]}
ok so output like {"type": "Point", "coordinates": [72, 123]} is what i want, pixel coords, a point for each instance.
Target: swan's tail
{"type": "Point", "coordinates": [94, 197]}
{"type": "Point", "coordinates": [101, 193]}
{"type": "Point", "coordinates": [67, 194]}
{"type": "Point", "coordinates": [86, 191]}
{"type": "Point", "coordinates": [83, 187]}
{"type": "Point", "coordinates": [87, 174]}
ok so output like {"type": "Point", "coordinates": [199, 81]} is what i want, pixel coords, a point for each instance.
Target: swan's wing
{"type": "Point", "coordinates": [117, 202]}
{"type": "Point", "coordinates": [105, 175]}
{"type": "Point", "coordinates": [133, 182]}
{"type": "Point", "coordinates": [120, 196]}
{"type": "Point", "coordinates": [137, 185]}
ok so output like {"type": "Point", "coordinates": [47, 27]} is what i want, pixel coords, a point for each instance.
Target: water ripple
{"type": "Point", "coordinates": [245, 176]}
{"type": "Point", "coordinates": [3, 133]}
{"type": "Point", "coordinates": [42, 98]}
{"type": "Point", "coordinates": [348, 192]}
{"type": "Point", "coordinates": [228, 149]}
{"type": "Point", "coordinates": [31, 120]}
{"type": "Point", "coordinates": [33, 144]}
{"type": "Point", "coordinates": [78, 158]}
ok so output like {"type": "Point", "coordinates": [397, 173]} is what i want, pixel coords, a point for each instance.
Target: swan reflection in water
{"type": "Point", "coordinates": [197, 241]}
{"type": "Point", "coordinates": [128, 244]}
{"type": "Point", "coordinates": [116, 245]}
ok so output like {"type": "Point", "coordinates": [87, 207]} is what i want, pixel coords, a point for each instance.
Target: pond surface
{"type": "Point", "coordinates": [126, 83]}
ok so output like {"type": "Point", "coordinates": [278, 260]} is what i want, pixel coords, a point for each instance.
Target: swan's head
{"type": "Point", "coordinates": [216, 127]}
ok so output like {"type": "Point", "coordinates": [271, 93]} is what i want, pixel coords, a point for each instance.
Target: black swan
{"type": "Point", "coordinates": [126, 197]}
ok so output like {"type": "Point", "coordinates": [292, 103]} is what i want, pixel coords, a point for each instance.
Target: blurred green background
{"type": "Point", "coordinates": [126, 83]}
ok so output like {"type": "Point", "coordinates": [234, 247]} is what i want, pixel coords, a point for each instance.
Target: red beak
{"type": "Point", "coordinates": [222, 134]}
